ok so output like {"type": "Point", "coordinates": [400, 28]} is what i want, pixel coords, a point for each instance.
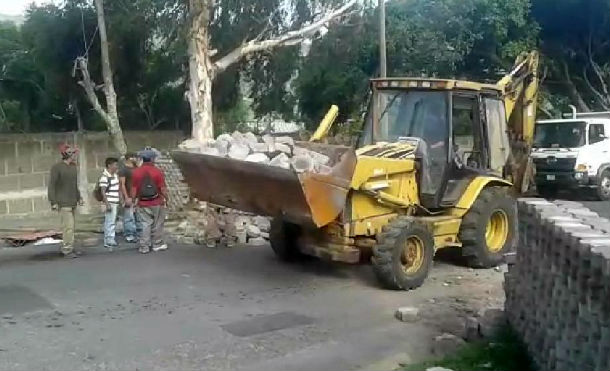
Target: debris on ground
{"type": "Point", "coordinates": [212, 225]}
{"type": "Point", "coordinates": [22, 238]}
{"type": "Point", "coordinates": [446, 344]}
{"type": "Point", "coordinates": [48, 241]}
{"type": "Point", "coordinates": [490, 320]}
{"type": "Point", "coordinates": [407, 314]}
{"type": "Point", "coordinates": [280, 152]}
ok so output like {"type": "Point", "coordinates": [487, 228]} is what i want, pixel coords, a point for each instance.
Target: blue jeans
{"type": "Point", "coordinates": [110, 224]}
{"type": "Point", "coordinates": [130, 228]}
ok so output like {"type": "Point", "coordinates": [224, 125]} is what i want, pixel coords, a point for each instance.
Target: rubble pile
{"type": "Point", "coordinates": [213, 225]}
{"type": "Point", "coordinates": [558, 285]}
{"type": "Point", "coordinates": [273, 151]}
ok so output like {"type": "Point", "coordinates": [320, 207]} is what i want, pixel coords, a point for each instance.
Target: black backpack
{"type": "Point", "coordinates": [148, 189]}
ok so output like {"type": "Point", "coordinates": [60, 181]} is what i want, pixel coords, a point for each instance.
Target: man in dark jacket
{"type": "Point", "coordinates": [64, 195]}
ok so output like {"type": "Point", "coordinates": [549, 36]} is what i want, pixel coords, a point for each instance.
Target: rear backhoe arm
{"type": "Point", "coordinates": [520, 88]}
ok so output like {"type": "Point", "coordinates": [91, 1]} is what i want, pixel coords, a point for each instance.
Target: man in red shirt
{"type": "Point", "coordinates": [149, 190]}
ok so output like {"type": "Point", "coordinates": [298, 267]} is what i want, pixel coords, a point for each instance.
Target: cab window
{"type": "Point", "coordinates": [596, 133]}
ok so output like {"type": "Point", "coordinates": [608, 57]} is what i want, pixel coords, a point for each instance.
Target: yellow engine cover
{"type": "Point", "coordinates": [383, 181]}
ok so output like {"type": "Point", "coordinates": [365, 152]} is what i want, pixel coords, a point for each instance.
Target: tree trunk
{"type": "Point", "coordinates": [112, 122]}
{"type": "Point", "coordinates": [573, 90]}
{"type": "Point", "coordinates": [200, 71]}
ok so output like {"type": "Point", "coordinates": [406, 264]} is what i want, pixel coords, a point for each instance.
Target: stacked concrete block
{"type": "Point", "coordinates": [274, 151]}
{"type": "Point", "coordinates": [179, 192]}
{"type": "Point", "coordinates": [558, 285]}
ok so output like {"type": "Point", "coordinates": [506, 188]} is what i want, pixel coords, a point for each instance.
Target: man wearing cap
{"type": "Point", "coordinates": [64, 195]}
{"type": "Point", "coordinates": [149, 190]}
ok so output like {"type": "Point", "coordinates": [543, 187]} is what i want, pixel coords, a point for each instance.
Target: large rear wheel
{"type": "Point", "coordinates": [284, 239]}
{"type": "Point", "coordinates": [403, 255]}
{"type": "Point", "coordinates": [489, 229]}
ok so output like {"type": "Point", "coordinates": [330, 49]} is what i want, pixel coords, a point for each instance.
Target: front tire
{"type": "Point", "coordinates": [489, 229]}
{"type": "Point", "coordinates": [403, 255]}
{"type": "Point", "coordinates": [603, 186]}
{"type": "Point", "coordinates": [284, 239]}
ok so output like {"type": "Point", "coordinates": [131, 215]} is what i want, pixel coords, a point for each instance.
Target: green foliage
{"type": "Point", "coordinates": [505, 352]}
{"type": "Point", "coordinates": [468, 39]}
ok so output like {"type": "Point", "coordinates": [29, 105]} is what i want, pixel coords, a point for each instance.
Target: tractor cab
{"type": "Point", "coordinates": [459, 127]}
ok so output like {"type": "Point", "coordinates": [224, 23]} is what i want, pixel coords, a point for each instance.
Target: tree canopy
{"type": "Point", "coordinates": [466, 39]}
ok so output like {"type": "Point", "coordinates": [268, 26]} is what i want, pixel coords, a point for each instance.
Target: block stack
{"type": "Point", "coordinates": [558, 285]}
{"type": "Point", "coordinates": [178, 190]}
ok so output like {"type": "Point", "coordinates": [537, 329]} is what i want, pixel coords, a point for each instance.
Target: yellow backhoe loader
{"type": "Point", "coordinates": [435, 168]}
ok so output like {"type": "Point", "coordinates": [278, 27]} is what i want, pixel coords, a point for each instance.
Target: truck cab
{"type": "Point", "coordinates": [572, 154]}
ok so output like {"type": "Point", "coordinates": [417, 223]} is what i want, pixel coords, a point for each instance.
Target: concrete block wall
{"type": "Point", "coordinates": [558, 285]}
{"type": "Point", "coordinates": [26, 159]}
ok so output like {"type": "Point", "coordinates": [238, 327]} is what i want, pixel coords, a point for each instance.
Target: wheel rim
{"type": "Point", "coordinates": [412, 257]}
{"type": "Point", "coordinates": [496, 232]}
{"type": "Point", "coordinates": [605, 185]}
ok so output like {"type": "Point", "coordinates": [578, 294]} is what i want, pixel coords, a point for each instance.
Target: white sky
{"type": "Point", "coordinates": [17, 7]}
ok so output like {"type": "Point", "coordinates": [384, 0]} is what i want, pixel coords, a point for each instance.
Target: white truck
{"type": "Point", "coordinates": [573, 154]}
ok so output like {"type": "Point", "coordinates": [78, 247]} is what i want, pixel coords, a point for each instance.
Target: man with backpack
{"type": "Point", "coordinates": [149, 190]}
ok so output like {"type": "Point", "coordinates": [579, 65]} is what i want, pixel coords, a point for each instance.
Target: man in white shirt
{"type": "Point", "coordinates": [109, 185]}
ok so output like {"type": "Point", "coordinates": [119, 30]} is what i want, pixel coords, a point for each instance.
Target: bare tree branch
{"type": "Point", "coordinates": [572, 90]}
{"type": "Point", "coordinates": [598, 95]}
{"type": "Point", "coordinates": [89, 87]}
{"type": "Point", "coordinates": [286, 39]}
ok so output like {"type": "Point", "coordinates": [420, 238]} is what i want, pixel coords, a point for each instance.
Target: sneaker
{"type": "Point", "coordinates": [160, 248]}
{"type": "Point", "coordinates": [143, 251]}
{"type": "Point", "coordinates": [70, 255]}
{"type": "Point", "coordinates": [131, 239]}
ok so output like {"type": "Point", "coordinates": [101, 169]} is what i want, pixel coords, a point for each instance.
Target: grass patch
{"type": "Point", "coordinates": [504, 352]}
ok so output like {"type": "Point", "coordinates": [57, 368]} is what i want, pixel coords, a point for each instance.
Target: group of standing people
{"type": "Point", "coordinates": [136, 187]}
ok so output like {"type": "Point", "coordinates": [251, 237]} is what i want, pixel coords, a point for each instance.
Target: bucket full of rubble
{"type": "Point", "coordinates": [305, 183]}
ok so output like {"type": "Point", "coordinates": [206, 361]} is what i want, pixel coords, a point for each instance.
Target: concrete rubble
{"type": "Point", "coordinates": [407, 314]}
{"type": "Point", "coordinates": [280, 152]}
{"type": "Point", "coordinates": [558, 285]}
{"type": "Point", "coordinates": [212, 225]}
{"type": "Point", "coordinates": [445, 344]}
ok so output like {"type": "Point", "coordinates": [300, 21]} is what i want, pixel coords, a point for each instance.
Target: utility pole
{"type": "Point", "coordinates": [383, 72]}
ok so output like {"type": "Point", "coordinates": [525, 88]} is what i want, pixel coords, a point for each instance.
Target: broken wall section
{"type": "Point", "coordinates": [558, 285]}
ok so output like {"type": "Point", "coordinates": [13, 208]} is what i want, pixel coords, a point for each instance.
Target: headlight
{"type": "Point", "coordinates": [581, 167]}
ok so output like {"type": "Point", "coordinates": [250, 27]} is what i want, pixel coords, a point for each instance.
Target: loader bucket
{"type": "Point", "coordinates": [305, 199]}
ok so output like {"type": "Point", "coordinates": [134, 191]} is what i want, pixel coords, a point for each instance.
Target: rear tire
{"type": "Point", "coordinates": [284, 239]}
{"type": "Point", "coordinates": [489, 229]}
{"type": "Point", "coordinates": [603, 186]}
{"type": "Point", "coordinates": [403, 255]}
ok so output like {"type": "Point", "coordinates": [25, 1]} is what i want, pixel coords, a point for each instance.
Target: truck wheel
{"type": "Point", "coordinates": [603, 186]}
{"type": "Point", "coordinates": [547, 191]}
{"type": "Point", "coordinates": [403, 255]}
{"type": "Point", "coordinates": [283, 237]}
{"type": "Point", "coordinates": [489, 229]}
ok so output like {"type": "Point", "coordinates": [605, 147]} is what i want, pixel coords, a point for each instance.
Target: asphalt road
{"type": "Point", "coordinates": [194, 308]}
